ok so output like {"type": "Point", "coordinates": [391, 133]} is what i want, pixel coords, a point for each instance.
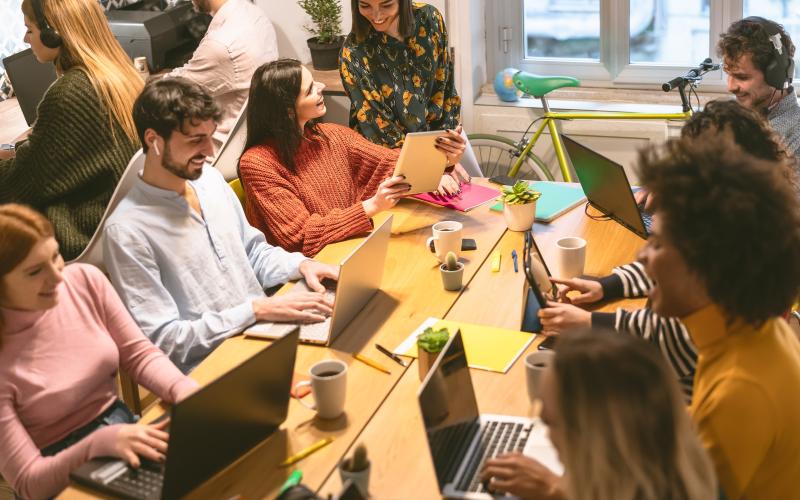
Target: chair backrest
{"type": "Point", "coordinates": [237, 187]}
{"type": "Point", "coordinates": [227, 160]}
{"type": "Point", "coordinates": [93, 253]}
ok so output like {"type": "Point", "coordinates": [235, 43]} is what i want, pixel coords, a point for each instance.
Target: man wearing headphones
{"type": "Point", "coordinates": [758, 58]}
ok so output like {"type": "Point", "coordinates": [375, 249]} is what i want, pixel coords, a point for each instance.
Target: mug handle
{"type": "Point", "coordinates": [431, 244]}
{"type": "Point", "coordinates": [304, 383]}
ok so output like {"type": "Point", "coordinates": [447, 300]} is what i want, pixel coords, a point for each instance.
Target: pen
{"type": "Point", "coordinates": [306, 452]}
{"type": "Point", "coordinates": [371, 363]}
{"type": "Point", "coordinates": [514, 258]}
{"type": "Point", "coordinates": [293, 480]}
{"type": "Point", "coordinates": [392, 355]}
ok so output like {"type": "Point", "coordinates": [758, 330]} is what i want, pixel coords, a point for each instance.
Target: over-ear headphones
{"type": "Point", "coordinates": [49, 36]}
{"type": "Point", "coordinates": [780, 70]}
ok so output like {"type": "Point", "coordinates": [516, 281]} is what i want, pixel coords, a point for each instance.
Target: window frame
{"type": "Point", "coordinates": [613, 70]}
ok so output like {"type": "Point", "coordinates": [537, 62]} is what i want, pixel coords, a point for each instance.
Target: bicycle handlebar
{"type": "Point", "coordinates": [693, 75]}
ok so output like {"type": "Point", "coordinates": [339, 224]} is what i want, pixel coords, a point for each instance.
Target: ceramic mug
{"type": "Point", "coordinates": [328, 386]}
{"type": "Point", "coordinates": [570, 256]}
{"type": "Point", "coordinates": [446, 238]}
{"type": "Point", "coordinates": [535, 363]}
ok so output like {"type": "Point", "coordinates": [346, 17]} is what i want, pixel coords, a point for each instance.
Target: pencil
{"type": "Point", "coordinates": [308, 451]}
{"type": "Point", "coordinates": [374, 364]}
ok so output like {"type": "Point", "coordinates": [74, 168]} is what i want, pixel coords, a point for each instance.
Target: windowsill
{"type": "Point", "coordinates": [601, 99]}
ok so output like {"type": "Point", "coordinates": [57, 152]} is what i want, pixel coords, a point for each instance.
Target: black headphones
{"type": "Point", "coordinates": [49, 37]}
{"type": "Point", "coordinates": [780, 70]}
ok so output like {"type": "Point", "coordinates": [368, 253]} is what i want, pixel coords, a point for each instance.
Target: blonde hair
{"type": "Point", "coordinates": [21, 228]}
{"type": "Point", "coordinates": [89, 45]}
{"type": "Point", "coordinates": [626, 432]}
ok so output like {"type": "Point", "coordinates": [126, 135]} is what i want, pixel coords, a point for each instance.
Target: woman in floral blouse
{"type": "Point", "coordinates": [396, 68]}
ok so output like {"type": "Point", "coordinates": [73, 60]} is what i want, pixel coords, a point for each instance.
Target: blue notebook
{"type": "Point", "coordinates": [557, 198]}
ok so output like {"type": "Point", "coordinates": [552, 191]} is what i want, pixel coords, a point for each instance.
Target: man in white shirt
{"type": "Point", "coordinates": [181, 254]}
{"type": "Point", "coordinates": [239, 39]}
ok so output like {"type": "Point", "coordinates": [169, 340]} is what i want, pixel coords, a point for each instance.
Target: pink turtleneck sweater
{"type": "Point", "coordinates": [57, 373]}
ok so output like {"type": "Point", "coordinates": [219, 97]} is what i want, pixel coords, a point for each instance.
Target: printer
{"type": "Point", "coordinates": [164, 32]}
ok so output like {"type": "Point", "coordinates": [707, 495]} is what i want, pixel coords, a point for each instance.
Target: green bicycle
{"type": "Point", "coordinates": [498, 155]}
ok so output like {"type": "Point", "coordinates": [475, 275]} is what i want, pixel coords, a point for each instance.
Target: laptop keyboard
{"type": "Point", "coordinates": [318, 331]}
{"type": "Point", "coordinates": [647, 217]}
{"type": "Point", "coordinates": [145, 482]}
{"type": "Point", "coordinates": [451, 444]}
{"type": "Point", "coordinates": [496, 438]}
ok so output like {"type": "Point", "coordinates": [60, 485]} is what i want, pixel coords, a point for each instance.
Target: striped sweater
{"type": "Point", "coordinates": [668, 334]}
{"type": "Point", "coordinates": [71, 162]}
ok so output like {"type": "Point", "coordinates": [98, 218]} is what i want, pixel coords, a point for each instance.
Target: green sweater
{"type": "Point", "coordinates": [70, 164]}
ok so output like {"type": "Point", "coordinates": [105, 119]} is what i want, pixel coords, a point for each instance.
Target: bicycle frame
{"type": "Point", "coordinates": [549, 121]}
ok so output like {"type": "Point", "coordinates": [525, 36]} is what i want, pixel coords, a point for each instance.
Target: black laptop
{"type": "Point", "coordinates": [209, 430]}
{"type": "Point", "coordinates": [30, 80]}
{"type": "Point", "coordinates": [606, 186]}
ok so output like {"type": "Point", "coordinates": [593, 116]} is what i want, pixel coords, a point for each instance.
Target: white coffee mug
{"type": "Point", "coordinates": [535, 363]}
{"type": "Point", "coordinates": [329, 387]}
{"type": "Point", "coordinates": [570, 256]}
{"type": "Point", "coordinates": [446, 238]}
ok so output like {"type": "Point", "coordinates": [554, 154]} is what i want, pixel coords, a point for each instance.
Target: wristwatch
{"type": "Point", "coordinates": [6, 147]}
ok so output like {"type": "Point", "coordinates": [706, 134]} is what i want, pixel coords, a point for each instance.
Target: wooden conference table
{"type": "Point", "coordinates": [381, 409]}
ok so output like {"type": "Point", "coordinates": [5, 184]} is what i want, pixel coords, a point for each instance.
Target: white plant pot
{"type": "Point", "coordinates": [519, 217]}
{"type": "Point", "coordinates": [360, 479]}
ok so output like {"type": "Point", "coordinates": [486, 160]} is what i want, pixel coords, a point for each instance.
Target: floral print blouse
{"type": "Point", "coordinates": [398, 87]}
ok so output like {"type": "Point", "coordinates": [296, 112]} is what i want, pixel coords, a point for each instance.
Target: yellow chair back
{"type": "Point", "coordinates": [237, 187]}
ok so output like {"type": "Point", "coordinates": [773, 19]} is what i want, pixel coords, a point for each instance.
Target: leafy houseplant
{"type": "Point", "coordinates": [519, 205]}
{"type": "Point", "coordinates": [326, 18]}
{"type": "Point", "coordinates": [452, 272]}
{"type": "Point", "coordinates": [356, 469]}
{"type": "Point", "coordinates": [429, 344]}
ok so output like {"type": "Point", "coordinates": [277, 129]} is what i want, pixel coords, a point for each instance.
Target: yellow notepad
{"type": "Point", "coordinates": [487, 347]}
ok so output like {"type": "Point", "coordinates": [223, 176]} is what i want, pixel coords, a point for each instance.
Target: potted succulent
{"type": "Point", "coordinates": [326, 19]}
{"type": "Point", "coordinates": [429, 344]}
{"type": "Point", "coordinates": [519, 205]}
{"type": "Point", "coordinates": [452, 272]}
{"type": "Point", "coordinates": [356, 469]}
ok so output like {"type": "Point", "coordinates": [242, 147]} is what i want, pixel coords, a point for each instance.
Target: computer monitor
{"type": "Point", "coordinates": [30, 80]}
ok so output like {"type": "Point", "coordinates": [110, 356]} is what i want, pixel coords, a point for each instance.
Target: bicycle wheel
{"type": "Point", "coordinates": [496, 155]}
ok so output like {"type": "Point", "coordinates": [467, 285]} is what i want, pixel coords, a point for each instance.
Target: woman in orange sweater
{"type": "Point", "coordinates": [307, 183]}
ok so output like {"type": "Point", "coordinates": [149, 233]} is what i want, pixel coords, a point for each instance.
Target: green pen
{"type": "Point", "coordinates": [294, 479]}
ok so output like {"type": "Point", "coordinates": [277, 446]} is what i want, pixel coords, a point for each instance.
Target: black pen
{"type": "Point", "coordinates": [392, 355]}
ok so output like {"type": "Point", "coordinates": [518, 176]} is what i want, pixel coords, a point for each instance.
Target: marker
{"type": "Point", "coordinates": [293, 480]}
{"type": "Point", "coordinates": [514, 258]}
{"type": "Point", "coordinates": [495, 261]}
{"type": "Point", "coordinates": [371, 363]}
{"type": "Point", "coordinates": [308, 451]}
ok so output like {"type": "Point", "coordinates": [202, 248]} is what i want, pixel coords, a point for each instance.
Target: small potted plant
{"type": "Point", "coordinates": [429, 344]}
{"type": "Point", "coordinates": [326, 19]}
{"type": "Point", "coordinates": [452, 272]}
{"type": "Point", "coordinates": [519, 205]}
{"type": "Point", "coordinates": [356, 469]}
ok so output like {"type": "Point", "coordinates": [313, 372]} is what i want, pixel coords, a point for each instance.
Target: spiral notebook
{"type": "Point", "coordinates": [472, 195]}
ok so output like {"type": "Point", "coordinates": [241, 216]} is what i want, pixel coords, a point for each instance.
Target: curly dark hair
{"type": "Point", "coordinates": [750, 130]}
{"type": "Point", "coordinates": [166, 105]}
{"type": "Point", "coordinates": [733, 218]}
{"type": "Point", "coordinates": [749, 37]}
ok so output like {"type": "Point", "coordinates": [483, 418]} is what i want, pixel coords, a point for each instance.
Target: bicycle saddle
{"type": "Point", "coordinates": [537, 86]}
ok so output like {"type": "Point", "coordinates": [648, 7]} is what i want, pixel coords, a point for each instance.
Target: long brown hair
{"type": "Point", "coordinates": [626, 432]}
{"type": "Point", "coordinates": [88, 44]}
{"type": "Point", "coordinates": [21, 228]}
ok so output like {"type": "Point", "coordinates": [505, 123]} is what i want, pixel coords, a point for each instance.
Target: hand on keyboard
{"type": "Point", "coordinates": [299, 307]}
{"type": "Point", "coordinates": [147, 441]}
{"type": "Point", "coordinates": [522, 476]}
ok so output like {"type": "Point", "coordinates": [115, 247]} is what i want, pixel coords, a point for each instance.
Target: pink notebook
{"type": "Point", "coordinates": [472, 195]}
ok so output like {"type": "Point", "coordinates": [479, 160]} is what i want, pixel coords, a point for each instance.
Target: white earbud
{"type": "Point", "coordinates": [155, 147]}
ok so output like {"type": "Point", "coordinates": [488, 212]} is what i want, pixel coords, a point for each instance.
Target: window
{"type": "Point", "coordinates": [610, 42]}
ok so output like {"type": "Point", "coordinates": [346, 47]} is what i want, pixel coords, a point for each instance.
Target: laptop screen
{"type": "Point", "coordinates": [606, 186]}
{"type": "Point", "coordinates": [30, 80]}
{"type": "Point", "coordinates": [222, 421]}
{"type": "Point", "coordinates": [449, 409]}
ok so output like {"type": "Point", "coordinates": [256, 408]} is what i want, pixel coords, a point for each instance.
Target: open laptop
{"type": "Point", "coordinates": [209, 430]}
{"type": "Point", "coordinates": [30, 80]}
{"type": "Point", "coordinates": [607, 188]}
{"type": "Point", "coordinates": [460, 438]}
{"type": "Point", "coordinates": [360, 277]}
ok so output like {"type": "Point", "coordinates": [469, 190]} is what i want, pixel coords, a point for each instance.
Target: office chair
{"type": "Point", "coordinates": [227, 160]}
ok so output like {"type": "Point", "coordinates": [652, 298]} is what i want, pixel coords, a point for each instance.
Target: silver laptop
{"type": "Point", "coordinates": [359, 278]}
{"type": "Point", "coordinates": [461, 439]}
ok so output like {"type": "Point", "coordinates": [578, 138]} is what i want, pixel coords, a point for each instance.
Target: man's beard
{"type": "Point", "coordinates": [174, 168]}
